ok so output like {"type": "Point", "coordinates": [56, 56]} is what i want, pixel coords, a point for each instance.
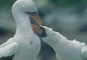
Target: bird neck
{"type": "Point", "coordinates": [22, 20]}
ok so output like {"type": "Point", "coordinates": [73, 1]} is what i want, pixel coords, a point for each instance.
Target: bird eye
{"type": "Point", "coordinates": [29, 12]}
{"type": "Point", "coordinates": [43, 33]}
{"type": "Point", "coordinates": [34, 12]}
{"type": "Point", "coordinates": [42, 28]}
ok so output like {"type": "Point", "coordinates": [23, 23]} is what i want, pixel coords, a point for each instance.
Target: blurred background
{"type": "Point", "coordinates": [69, 17]}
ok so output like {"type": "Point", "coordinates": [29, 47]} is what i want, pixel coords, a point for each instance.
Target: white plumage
{"type": "Point", "coordinates": [25, 45]}
{"type": "Point", "coordinates": [64, 48]}
{"type": "Point", "coordinates": [9, 50]}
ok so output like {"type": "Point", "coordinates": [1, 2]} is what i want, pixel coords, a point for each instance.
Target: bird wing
{"type": "Point", "coordinates": [84, 52]}
{"type": "Point", "coordinates": [7, 52]}
{"type": "Point", "coordinates": [7, 42]}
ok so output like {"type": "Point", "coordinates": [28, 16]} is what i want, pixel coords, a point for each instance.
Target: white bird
{"type": "Point", "coordinates": [64, 48]}
{"type": "Point", "coordinates": [25, 45]}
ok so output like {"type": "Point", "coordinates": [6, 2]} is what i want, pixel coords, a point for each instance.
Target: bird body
{"type": "Point", "coordinates": [65, 49]}
{"type": "Point", "coordinates": [28, 47]}
{"type": "Point", "coordinates": [25, 45]}
{"type": "Point", "coordinates": [69, 50]}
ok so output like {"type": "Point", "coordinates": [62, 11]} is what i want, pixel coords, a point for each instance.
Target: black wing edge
{"type": "Point", "coordinates": [7, 58]}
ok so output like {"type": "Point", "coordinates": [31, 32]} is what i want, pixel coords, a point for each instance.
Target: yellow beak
{"type": "Point", "coordinates": [36, 29]}
{"type": "Point", "coordinates": [36, 18]}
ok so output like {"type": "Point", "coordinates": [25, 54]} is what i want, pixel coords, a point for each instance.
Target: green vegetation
{"type": "Point", "coordinates": [55, 2]}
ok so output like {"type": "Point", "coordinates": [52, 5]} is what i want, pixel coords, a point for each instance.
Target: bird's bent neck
{"type": "Point", "coordinates": [22, 20]}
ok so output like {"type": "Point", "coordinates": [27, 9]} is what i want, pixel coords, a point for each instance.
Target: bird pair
{"type": "Point", "coordinates": [25, 45]}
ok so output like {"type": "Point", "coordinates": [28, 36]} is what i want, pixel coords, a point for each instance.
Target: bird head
{"type": "Point", "coordinates": [27, 7]}
{"type": "Point", "coordinates": [46, 32]}
{"type": "Point", "coordinates": [48, 35]}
